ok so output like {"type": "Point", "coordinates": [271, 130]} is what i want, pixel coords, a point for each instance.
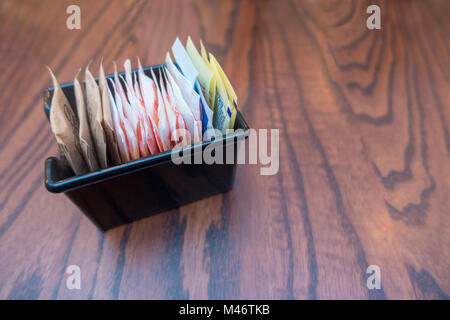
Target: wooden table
{"type": "Point", "coordinates": [364, 175]}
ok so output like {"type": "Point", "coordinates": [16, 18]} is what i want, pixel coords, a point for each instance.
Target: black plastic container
{"type": "Point", "coordinates": [143, 187]}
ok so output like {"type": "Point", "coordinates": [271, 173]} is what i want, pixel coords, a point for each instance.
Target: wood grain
{"type": "Point", "coordinates": [364, 176]}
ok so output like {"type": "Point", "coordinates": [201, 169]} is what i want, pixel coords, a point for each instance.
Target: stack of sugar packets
{"type": "Point", "coordinates": [138, 115]}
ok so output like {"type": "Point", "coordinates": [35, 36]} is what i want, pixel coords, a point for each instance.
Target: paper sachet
{"type": "Point", "coordinates": [171, 117]}
{"type": "Point", "coordinates": [205, 75]}
{"type": "Point", "coordinates": [185, 111]}
{"type": "Point", "coordinates": [231, 95]}
{"type": "Point", "coordinates": [148, 91]}
{"type": "Point", "coordinates": [86, 143]}
{"type": "Point", "coordinates": [222, 111]}
{"type": "Point", "coordinates": [64, 125]}
{"type": "Point", "coordinates": [139, 126]}
{"type": "Point", "coordinates": [128, 118]}
{"type": "Point", "coordinates": [149, 135]}
{"type": "Point", "coordinates": [190, 96]}
{"type": "Point", "coordinates": [230, 91]}
{"type": "Point", "coordinates": [118, 127]}
{"type": "Point", "coordinates": [108, 125]}
{"type": "Point", "coordinates": [95, 116]}
{"type": "Point", "coordinates": [190, 73]}
{"type": "Point", "coordinates": [163, 123]}
{"type": "Point", "coordinates": [205, 58]}
{"type": "Point", "coordinates": [182, 128]}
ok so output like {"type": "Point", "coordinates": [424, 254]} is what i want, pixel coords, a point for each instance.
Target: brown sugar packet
{"type": "Point", "coordinates": [86, 143]}
{"type": "Point", "coordinates": [95, 116]}
{"type": "Point", "coordinates": [108, 125]}
{"type": "Point", "coordinates": [64, 125]}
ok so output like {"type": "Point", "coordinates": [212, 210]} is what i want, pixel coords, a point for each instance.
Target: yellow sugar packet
{"type": "Point", "coordinates": [205, 74]}
{"type": "Point", "coordinates": [204, 53]}
{"type": "Point", "coordinates": [228, 90]}
{"type": "Point", "coordinates": [212, 96]}
{"type": "Point", "coordinates": [223, 112]}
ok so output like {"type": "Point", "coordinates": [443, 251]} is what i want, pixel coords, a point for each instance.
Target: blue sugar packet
{"type": "Point", "coordinates": [206, 112]}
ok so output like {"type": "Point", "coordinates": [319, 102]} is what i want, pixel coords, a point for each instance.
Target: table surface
{"type": "Point", "coordinates": [364, 173]}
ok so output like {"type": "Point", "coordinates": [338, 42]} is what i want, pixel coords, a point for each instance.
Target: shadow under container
{"type": "Point", "coordinates": [137, 189]}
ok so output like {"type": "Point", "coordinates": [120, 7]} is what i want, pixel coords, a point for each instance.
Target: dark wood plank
{"type": "Point", "coordinates": [364, 174]}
